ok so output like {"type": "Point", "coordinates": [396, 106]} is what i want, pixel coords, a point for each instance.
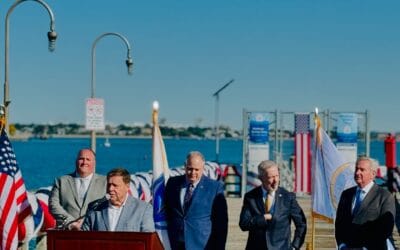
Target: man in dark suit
{"type": "Point", "coordinates": [196, 208]}
{"type": "Point", "coordinates": [72, 193]}
{"type": "Point", "coordinates": [366, 212]}
{"type": "Point", "coordinates": [267, 213]}
{"type": "Point", "coordinates": [121, 212]}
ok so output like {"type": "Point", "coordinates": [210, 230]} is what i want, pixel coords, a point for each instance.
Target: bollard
{"type": "Point", "coordinates": [390, 151]}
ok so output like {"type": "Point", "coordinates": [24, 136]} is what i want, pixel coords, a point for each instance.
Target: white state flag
{"type": "Point", "coordinates": [160, 177]}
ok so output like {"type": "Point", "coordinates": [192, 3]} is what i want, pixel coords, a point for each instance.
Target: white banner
{"type": "Point", "coordinates": [348, 151]}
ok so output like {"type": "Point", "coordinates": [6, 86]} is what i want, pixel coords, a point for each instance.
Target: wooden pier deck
{"type": "Point", "coordinates": [324, 232]}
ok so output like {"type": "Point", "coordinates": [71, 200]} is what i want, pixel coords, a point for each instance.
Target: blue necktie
{"type": "Point", "coordinates": [358, 201]}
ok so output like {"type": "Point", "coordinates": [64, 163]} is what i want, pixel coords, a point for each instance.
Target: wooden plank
{"type": "Point", "coordinates": [325, 232]}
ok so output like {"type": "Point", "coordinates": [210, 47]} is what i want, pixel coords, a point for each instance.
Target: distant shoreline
{"type": "Point", "coordinates": [23, 138]}
{"type": "Point", "coordinates": [76, 136]}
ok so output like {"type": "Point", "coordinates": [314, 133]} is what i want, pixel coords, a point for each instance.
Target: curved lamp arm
{"type": "Point", "coordinates": [128, 61]}
{"type": "Point", "coordinates": [51, 35]}
{"type": "Point", "coordinates": [129, 64]}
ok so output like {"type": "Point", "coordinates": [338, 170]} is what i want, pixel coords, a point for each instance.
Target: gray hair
{"type": "Point", "coordinates": [264, 166]}
{"type": "Point", "coordinates": [192, 154]}
{"type": "Point", "coordinates": [372, 162]}
{"type": "Point", "coordinates": [126, 177]}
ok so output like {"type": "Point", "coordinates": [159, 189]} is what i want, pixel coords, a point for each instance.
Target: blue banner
{"type": "Point", "coordinates": [259, 128]}
{"type": "Point", "coordinates": [347, 128]}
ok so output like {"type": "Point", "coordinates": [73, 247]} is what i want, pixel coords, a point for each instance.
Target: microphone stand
{"type": "Point", "coordinates": [92, 206]}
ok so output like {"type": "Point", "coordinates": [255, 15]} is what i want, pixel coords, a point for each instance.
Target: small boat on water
{"type": "Point", "coordinates": [107, 143]}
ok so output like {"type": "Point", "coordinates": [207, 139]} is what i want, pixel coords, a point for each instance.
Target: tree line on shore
{"type": "Point", "coordinates": [71, 129]}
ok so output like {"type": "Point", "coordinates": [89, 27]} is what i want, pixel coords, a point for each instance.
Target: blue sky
{"type": "Point", "coordinates": [285, 55]}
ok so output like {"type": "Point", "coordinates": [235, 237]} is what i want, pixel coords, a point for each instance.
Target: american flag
{"type": "Point", "coordinates": [302, 163]}
{"type": "Point", "coordinates": [14, 204]}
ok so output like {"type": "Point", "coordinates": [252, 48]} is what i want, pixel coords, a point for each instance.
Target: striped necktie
{"type": "Point", "coordinates": [188, 196]}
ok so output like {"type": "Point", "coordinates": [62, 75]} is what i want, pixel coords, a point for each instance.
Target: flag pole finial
{"type": "Point", "coordinates": [317, 121]}
{"type": "Point", "coordinates": [155, 112]}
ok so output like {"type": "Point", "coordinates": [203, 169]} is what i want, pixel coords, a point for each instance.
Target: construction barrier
{"type": "Point", "coordinates": [233, 181]}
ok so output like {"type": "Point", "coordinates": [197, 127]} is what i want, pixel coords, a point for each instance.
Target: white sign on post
{"type": "Point", "coordinates": [95, 114]}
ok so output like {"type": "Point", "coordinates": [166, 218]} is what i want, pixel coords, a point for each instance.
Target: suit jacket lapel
{"type": "Point", "coordinates": [367, 199]}
{"type": "Point", "coordinates": [104, 215]}
{"type": "Point", "coordinates": [90, 190]}
{"type": "Point", "coordinates": [179, 187]}
{"type": "Point", "coordinates": [278, 199]}
{"type": "Point", "coordinates": [198, 193]}
{"type": "Point", "coordinates": [350, 198]}
{"type": "Point", "coordinates": [198, 189]}
{"type": "Point", "coordinates": [260, 200]}
{"type": "Point", "coordinates": [72, 183]}
{"type": "Point", "coordinates": [125, 214]}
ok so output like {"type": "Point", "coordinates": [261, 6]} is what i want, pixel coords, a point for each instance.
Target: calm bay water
{"type": "Point", "coordinates": [43, 160]}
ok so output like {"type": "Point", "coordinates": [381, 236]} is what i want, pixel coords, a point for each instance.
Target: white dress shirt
{"type": "Point", "coordinates": [265, 197]}
{"type": "Point", "coordinates": [85, 181]}
{"type": "Point", "coordinates": [114, 213]}
{"type": "Point", "coordinates": [183, 191]}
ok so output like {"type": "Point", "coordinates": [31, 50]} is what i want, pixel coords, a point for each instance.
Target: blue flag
{"type": "Point", "coordinates": [331, 175]}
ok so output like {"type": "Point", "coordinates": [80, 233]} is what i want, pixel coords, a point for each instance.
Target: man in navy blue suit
{"type": "Point", "coordinates": [268, 211]}
{"type": "Point", "coordinates": [196, 208]}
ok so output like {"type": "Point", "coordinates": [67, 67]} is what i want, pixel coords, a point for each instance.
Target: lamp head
{"type": "Point", "coordinates": [52, 36]}
{"type": "Point", "coordinates": [129, 64]}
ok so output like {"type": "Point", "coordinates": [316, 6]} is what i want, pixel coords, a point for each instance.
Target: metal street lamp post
{"type": "Point", "coordinates": [129, 64]}
{"type": "Point", "coordinates": [216, 95]}
{"type": "Point", "coordinates": [51, 35]}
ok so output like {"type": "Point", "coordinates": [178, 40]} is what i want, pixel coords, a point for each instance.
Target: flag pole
{"type": "Point", "coordinates": [317, 126]}
{"type": "Point", "coordinates": [2, 117]}
{"type": "Point", "coordinates": [160, 177]}
{"type": "Point", "coordinates": [312, 231]}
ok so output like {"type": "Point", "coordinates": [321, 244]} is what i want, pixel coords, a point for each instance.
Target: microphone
{"type": "Point", "coordinates": [96, 204]}
{"type": "Point", "coordinates": [91, 207]}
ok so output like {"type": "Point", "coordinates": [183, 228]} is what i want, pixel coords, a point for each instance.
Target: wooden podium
{"type": "Point", "coordinates": [76, 240]}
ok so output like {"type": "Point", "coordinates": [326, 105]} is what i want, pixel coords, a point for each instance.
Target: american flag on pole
{"type": "Point", "coordinates": [302, 161]}
{"type": "Point", "coordinates": [14, 204]}
{"type": "Point", "coordinates": [160, 177]}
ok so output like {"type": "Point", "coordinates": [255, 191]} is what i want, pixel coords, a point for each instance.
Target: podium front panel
{"type": "Point", "coordinates": [77, 240]}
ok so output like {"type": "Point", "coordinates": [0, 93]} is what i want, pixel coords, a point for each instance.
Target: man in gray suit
{"type": "Point", "coordinates": [121, 212]}
{"type": "Point", "coordinates": [268, 211]}
{"type": "Point", "coordinates": [366, 212]}
{"type": "Point", "coordinates": [72, 193]}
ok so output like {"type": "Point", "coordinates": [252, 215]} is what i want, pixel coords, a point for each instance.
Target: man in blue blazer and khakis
{"type": "Point", "coordinates": [268, 211]}
{"type": "Point", "coordinates": [121, 212]}
{"type": "Point", "coordinates": [196, 208]}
